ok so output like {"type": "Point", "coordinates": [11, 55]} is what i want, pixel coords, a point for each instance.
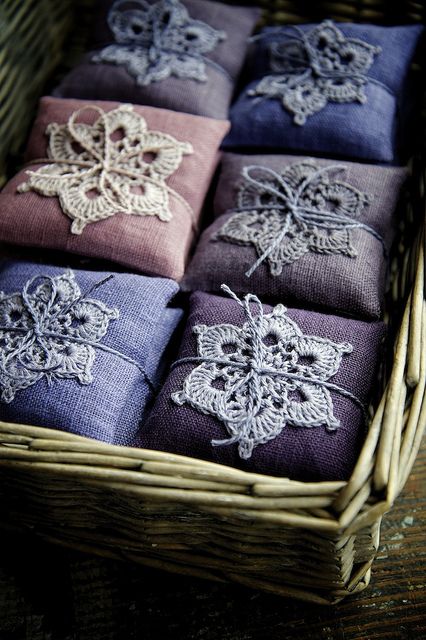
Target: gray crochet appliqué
{"type": "Point", "coordinates": [49, 331]}
{"type": "Point", "coordinates": [260, 377]}
{"type": "Point", "coordinates": [286, 215]}
{"type": "Point", "coordinates": [316, 67]}
{"type": "Point", "coordinates": [159, 40]}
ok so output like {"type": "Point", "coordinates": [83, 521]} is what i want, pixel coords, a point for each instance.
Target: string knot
{"type": "Point", "coordinates": [303, 208]}
{"type": "Point", "coordinates": [274, 376]}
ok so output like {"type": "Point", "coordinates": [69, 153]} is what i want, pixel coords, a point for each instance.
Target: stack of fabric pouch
{"type": "Point", "coordinates": [184, 56]}
{"type": "Point", "coordinates": [327, 89]}
{"type": "Point", "coordinates": [312, 231]}
{"type": "Point", "coordinates": [113, 181]}
{"type": "Point", "coordinates": [267, 390]}
{"type": "Point", "coordinates": [81, 351]}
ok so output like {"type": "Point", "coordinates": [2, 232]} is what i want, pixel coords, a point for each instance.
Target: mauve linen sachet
{"type": "Point", "coordinates": [81, 350]}
{"type": "Point", "coordinates": [309, 231]}
{"type": "Point", "coordinates": [339, 90]}
{"type": "Point", "coordinates": [184, 56]}
{"type": "Point", "coordinates": [120, 182]}
{"type": "Point", "coordinates": [280, 392]}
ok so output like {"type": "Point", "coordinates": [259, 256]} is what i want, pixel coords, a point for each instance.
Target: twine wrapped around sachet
{"type": "Point", "coordinates": [119, 182]}
{"type": "Point", "coordinates": [269, 390]}
{"type": "Point", "coordinates": [301, 229]}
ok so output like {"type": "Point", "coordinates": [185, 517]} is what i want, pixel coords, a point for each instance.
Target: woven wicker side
{"type": "Point", "coordinates": [389, 11]}
{"type": "Point", "coordinates": [31, 40]}
{"type": "Point", "coordinates": [180, 535]}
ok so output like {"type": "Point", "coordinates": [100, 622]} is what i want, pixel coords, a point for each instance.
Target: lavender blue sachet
{"type": "Point", "coordinates": [80, 350]}
{"type": "Point", "coordinates": [339, 90]}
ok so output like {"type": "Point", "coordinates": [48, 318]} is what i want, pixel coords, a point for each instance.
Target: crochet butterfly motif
{"type": "Point", "coordinates": [261, 377]}
{"type": "Point", "coordinates": [50, 331]}
{"type": "Point", "coordinates": [286, 215]}
{"type": "Point", "coordinates": [115, 165]}
{"type": "Point", "coordinates": [159, 40]}
{"type": "Point", "coordinates": [313, 68]}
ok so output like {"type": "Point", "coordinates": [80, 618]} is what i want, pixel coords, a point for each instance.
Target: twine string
{"type": "Point", "coordinates": [294, 208]}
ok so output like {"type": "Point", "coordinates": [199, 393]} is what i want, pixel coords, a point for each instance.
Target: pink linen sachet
{"type": "Point", "coordinates": [114, 181]}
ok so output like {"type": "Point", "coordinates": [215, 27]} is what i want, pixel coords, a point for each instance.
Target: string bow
{"type": "Point", "coordinates": [304, 206]}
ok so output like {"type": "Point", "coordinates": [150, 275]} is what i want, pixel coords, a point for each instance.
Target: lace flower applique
{"type": "Point", "coordinates": [50, 331]}
{"type": "Point", "coordinates": [261, 377]}
{"type": "Point", "coordinates": [159, 40]}
{"type": "Point", "coordinates": [316, 67]}
{"type": "Point", "coordinates": [302, 209]}
{"type": "Point", "coordinates": [115, 165]}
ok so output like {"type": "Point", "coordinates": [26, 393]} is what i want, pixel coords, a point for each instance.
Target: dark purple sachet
{"type": "Point", "coordinates": [280, 392]}
{"type": "Point", "coordinates": [308, 231]}
{"type": "Point", "coordinates": [184, 56]}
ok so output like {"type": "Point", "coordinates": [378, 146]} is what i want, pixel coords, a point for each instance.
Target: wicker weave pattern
{"type": "Point", "coordinates": [315, 541]}
{"type": "Point", "coordinates": [31, 38]}
{"type": "Point", "coordinates": [377, 11]}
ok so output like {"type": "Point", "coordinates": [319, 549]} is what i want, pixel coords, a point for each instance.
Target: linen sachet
{"type": "Point", "coordinates": [338, 90]}
{"type": "Point", "coordinates": [267, 389]}
{"type": "Point", "coordinates": [113, 181]}
{"type": "Point", "coordinates": [81, 350]}
{"type": "Point", "coordinates": [184, 56]}
{"type": "Point", "coordinates": [309, 231]}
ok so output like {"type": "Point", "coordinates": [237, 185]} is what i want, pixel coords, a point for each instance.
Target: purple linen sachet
{"type": "Point", "coordinates": [331, 89]}
{"type": "Point", "coordinates": [308, 231]}
{"type": "Point", "coordinates": [81, 350]}
{"type": "Point", "coordinates": [184, 56]}
{"type": "Point", "coordinates": [268, 390]}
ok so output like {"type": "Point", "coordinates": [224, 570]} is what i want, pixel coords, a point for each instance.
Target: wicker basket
{"type": "Point", "coordinates": [32, 34]}
{"type": "Point", "coordinates": [314, 541]}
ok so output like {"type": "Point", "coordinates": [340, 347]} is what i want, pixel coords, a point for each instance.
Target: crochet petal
{"type": "Point", "coordinates": [224, 342]}
{"type": "Point", "coordinates": [317, 358]}
{"type": "Point", "coordinates": [87, 320]}
{"type": "Point", "coordinates": [310, 405]}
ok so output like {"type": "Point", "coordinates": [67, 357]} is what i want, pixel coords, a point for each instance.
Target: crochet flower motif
{"type": "Point", "coordinates": [49, 331]}
{"type": "Point", "coordinates": [115, 165]}
{"type": "Point", "coordinates": [261, 377]}
{"type": "Point", "coordinates": [159, 40]}
{"type": "Point", "coordinates": [316, 67]}
{"type": "Point", "coordinates": [286, 215]}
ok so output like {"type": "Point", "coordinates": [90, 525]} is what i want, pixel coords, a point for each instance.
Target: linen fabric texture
{"type": "Point", "coordinates": [142, 243]}
{"type": "Point", "coordinates": [211, 97]}
{"type": "Point", "coordinates": [337, 282]}
{"type": "Point", "coordinates": [306, 454]}
{"type": "Point", "coordinates": [111, 407]}
{"type": "Point", "coordinates": [373, 131]}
